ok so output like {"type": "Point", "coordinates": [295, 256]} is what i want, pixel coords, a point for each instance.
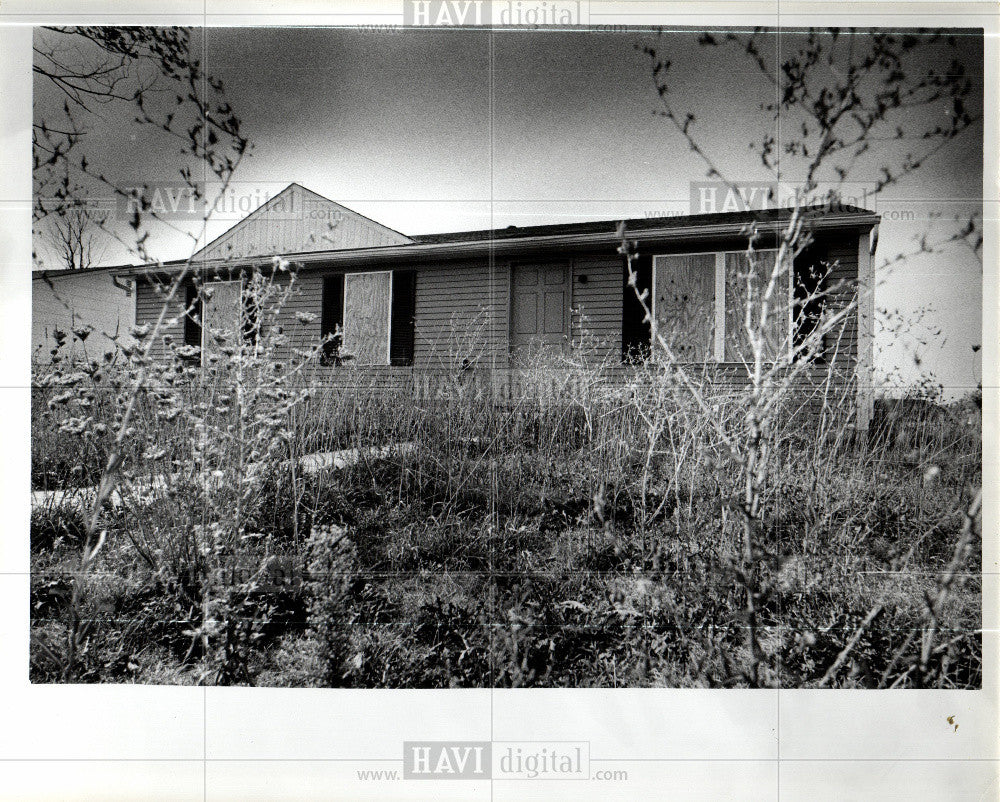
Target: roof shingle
{"type": "Point", "coordinates": [634, 224]}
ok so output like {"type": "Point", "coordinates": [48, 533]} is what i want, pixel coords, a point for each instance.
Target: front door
{"type": "Point", "coordinates": [540, 301]}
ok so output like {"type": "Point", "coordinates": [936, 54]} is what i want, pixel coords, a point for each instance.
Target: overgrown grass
{"type": "Point", "coordinates": [587, 534]}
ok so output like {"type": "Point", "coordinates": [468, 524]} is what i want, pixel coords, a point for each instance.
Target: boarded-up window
{"type": "Point", "coordinates": [700, 303]}
{"type": "Point", "coordinates": [749, 279]}
{"type": "Point", "coordinates": [367, 306]}
{"type": "Point", "coordinates": [222, 315]}
{"type": "Point", "coordinates": [684, 304]}
{"type": "Point", "coordinates": [404, 284]}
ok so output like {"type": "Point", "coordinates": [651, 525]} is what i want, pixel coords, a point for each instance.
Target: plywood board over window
{"type": "Point", "coordinates": [748, 277]}
{"type": "Point", "coordinates": [367, 306]}
{"type": "Point", "coordinates": [684, 296]}
{"type": "Point", "coordinates": [222, 310]}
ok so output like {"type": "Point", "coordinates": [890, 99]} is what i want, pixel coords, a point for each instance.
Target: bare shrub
{"type": "Point", "coordinates": [570, 523]}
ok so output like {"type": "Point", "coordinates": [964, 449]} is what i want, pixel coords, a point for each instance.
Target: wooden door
{"type": "Point", "coordinates": [540, 303]}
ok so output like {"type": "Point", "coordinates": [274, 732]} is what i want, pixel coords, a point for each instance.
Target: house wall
{"type": "Point", "coordinates": [306, 296]}
{"type": "Point", "coordinates": [150, 299]}
{"type": "Point", "coordinates": [843, 250]}
{"type": "Point", "coordinates": [597, 305]}
{"type": "Point", "coordinates": [462, 312]}
{"type": "Point", "coordinates": [71, 300]}
{"type": "Point", "coordinates": [297, 221]}
{"type": "Point", "coordinates": [838, 249]}
{"type": "Point", "coordinates": [462, 308]}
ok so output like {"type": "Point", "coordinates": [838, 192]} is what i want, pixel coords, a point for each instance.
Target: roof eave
{"type": "Point", "coordinates": [514, 246]}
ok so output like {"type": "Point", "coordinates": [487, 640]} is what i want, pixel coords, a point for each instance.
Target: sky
{"type": "Point", "coordinates": [431, 131]}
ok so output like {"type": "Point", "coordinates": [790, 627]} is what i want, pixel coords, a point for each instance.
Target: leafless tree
{"type": "Point", "coordinates": [73, 227]}
{"type": "Point", "coordinates": [154, 74]}
{"type": "Point", "coordinates": [846, 103]}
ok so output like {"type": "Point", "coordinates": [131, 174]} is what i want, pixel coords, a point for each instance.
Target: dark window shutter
{"type": "Point", "coordinates": [635, 329]}
{"type": "Point", "coordinates": [332, 314]}
{"type": "Point", "coordinates": [250, 317]}
{"type": "Point", "coordinates": [401, 331]}
{"type": "Point", "coordinates": [809, 304]}
{"type": "Point", "coordinates": [192, 318]}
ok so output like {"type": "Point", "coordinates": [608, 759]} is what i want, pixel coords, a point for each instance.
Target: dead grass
{"type": "Point", "coordinates": [590, 540]}
{"type": "Point", "coordinates": [664, 528]}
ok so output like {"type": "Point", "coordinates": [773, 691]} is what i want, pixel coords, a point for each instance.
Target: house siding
{"type": "Point", "coordinates": [298, 221]}
{"type": "Point", "coordinates": [306, 296]}
{"type": "Point", "coordinates": [840, 250]}
{"type": "Point", "coordinates": [150, 299]}
{"type": "Point", "coordinates": [68, 301]}
{"type": "Point", "coordinates": [597, 306]}
{"type": "Point", "coordinates": [462, 311]}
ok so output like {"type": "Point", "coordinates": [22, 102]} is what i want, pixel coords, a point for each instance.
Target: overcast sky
{"type": "Point", "coordinates": [446, 130]}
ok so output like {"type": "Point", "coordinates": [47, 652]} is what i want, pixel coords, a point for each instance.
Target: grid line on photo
{"type": "Point", "coordinates": [204, 435]}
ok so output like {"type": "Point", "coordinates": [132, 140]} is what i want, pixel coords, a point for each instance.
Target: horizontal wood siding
{"type": "Point", "coordinates": [597, 306]}
{"type": "Point", "coordinates": [297, 220]}
{"type": "Point", "coordinates": [842, 253]}
{"type": "Point", "coordinates": [306, 297]}
{"type": "Point", "coordinates": [150, 297]}
{"type": "Point", "coordinates": [313, 228]}
{"type": "Point", "coordinates": [461, 312]}
{"type": "Point", "coordinates": [840, 249]}
{"type": "Point", "coordinates": [68, 301]}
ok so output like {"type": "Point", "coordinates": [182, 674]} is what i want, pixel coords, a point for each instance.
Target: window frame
{"type": "Point", "coordinates": [718, 355]}
{"type": "Point", "coordinates": [343, 311]}
{"type": "Point", "coordinates": [344, 275]}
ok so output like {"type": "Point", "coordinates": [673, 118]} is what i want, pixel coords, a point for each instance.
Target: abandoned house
{"type": "Point", "coordinates": [403, 305]}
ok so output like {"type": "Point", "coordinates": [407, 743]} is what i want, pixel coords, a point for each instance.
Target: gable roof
{"type": "Point", "coordinates": [535, 239]}
{"type": "Point", "coordinates": [298, 220]}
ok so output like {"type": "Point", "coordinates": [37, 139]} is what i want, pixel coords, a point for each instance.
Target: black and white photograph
{"type": "Point", "coordinates": [510, 345]}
